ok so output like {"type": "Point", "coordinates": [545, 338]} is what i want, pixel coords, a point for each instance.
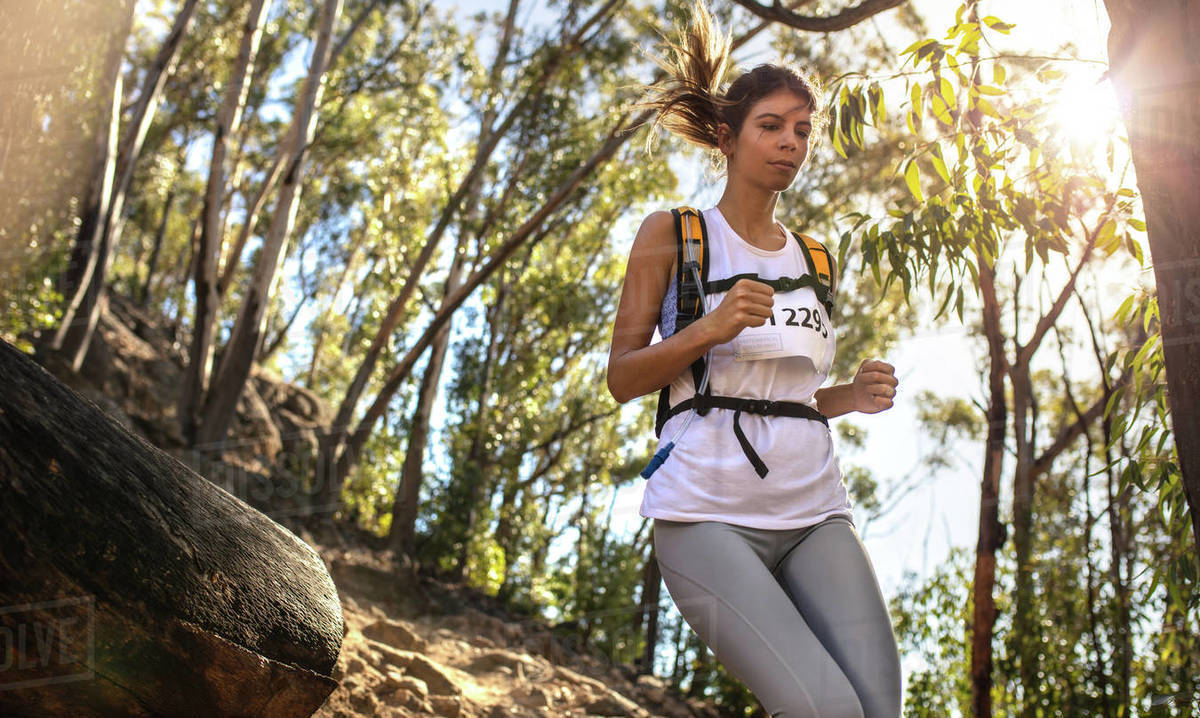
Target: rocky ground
{"type": "Point", "coordinates": [413, 646]}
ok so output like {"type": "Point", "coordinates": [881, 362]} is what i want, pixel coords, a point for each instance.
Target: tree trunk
{"type": "Point", "coordinates": [648, 609]}
{"type": "Point", "coordinates": [402, 535]}
{"type": "Point", "coordinates": [246, 336]}
{"type": "Point", "coordinates": [83, 311]}
{"type": "Point", "coordinates": [159, 236]}
{"type": "Point", "coordinates": [489, 139]}
{"type": "Point", "coordinates": [229, 116]}
{"type": "Point", "coordinates": [990, 529]}
{"type": "Point", "coordinates": [83, 253]}
{"type": "Point", "coordinates": [87, 251]}
{"type": "Point", "coordinates": [1026, 627]}
{"type": "Point", "coordinates": [348, 457]}
{"type": "Point", "coordinates": [1155, 67]}
{"type": "Point", "coordinates": [478, 467]}
{"type": "Point", "coordinates": [144, 589]}
{"type": "Point", "coordinates": [282, 159]}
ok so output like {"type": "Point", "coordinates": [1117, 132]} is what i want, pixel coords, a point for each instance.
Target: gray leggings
{"type": "Point", "coordinates": [796, 614]}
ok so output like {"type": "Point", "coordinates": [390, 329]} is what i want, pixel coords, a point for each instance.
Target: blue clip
{"type": "Point", "coordinates": [659, 457]}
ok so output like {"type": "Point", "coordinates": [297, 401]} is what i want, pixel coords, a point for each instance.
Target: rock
{"type": "Point", "coordinates": [415, 685]}
{"type": "Point", "coordinates": [482, 642]}
{"type": "Point", "coordinates": [365, 701]}
{"type": "Point", "coordinates": [498, 658]}
{"type": "Point", "coordinates": [395, 634]}
{"type": "Point", "coordinates": [475, 622]}
{"type": "Point", "coordinates": [253, 428]}
{"type": "Point", "coordinates": [607, 706]}
{"type": "Point", "coordinates": [392, 679]}
{"type": "Point", "coordinates": [570, 676]}
{"type": "Point", "coordinates": [652, 689]}
{"type": "Point", "coordinates": [354, 664]}
{"type": "Point", "coordinates": [449, 706]}
{"type": "Point", "coordinates": [434, 674]}
{"type": "Point", "coordinates": [536, 698]}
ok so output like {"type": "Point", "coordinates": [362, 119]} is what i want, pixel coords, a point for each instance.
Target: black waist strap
{"type": "Point", "coordinates": [764, 407]}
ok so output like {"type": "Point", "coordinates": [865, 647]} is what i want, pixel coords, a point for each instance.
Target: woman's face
{"type": "Point", "coordinates": [773, 143]}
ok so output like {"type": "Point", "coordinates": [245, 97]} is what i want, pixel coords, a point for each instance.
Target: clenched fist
{"type": "Point", "coordinates": [747, 304]}
{"type": "Point", "coordinates": [874, 386]}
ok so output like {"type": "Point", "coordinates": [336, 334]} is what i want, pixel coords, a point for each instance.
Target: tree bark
{"type": "Point", "coordinates": [208, 253]}
{"type": "Point", "coordinates": [1155, 68]}
{"type": "Point", "coordinates": [176, 597]}
{"type": "Point", "coordinates": [246, 336]}
{"type": "Point", "coordinates": [990, 529]}
{"type": "Point", "coordinates": [1026, 627]}
{"type": "Point", "coordinates": [402, 535]}
{"type": "Point", "coordinates": [648, 609]}
{"type": "Point", "coordinates": [74, 334]}
{"type": "Point", "coordinates": [86, 247]}
{"type": "Point", "coordinates": [848, 17]}
{"type": "Point", "coordinates": [156, 250]}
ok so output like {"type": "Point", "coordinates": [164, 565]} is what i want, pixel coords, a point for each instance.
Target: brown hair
{"type": "Point", "coordinates": [689, 103]}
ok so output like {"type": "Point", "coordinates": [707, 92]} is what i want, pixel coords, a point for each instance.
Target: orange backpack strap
{"type": "Point", "coordinates": [820, 261]}
{"type": "Point", "coordinates": [691, 240]}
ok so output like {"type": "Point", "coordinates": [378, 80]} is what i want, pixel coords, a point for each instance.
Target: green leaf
{"type": "Point", "coordinates": [878, 111]}
{"type": "Point", "coordinates": [987, 108]}
{"type": "Point", "coordinates": [999, 74]}
{"type": "Point", "coordinates": [947, 91]}
{"type": "Point", "coordinates": [945, 302]}
{"type": "Point", "coordinates": [1137, 224]}
{"type": "Point", "coordinates": [941, 110]}
{"type": "Point", "coordinates": [917, 46]}
{"type": "Point", "coordinates": [1047, 74]}
{"type": "Point", "coordinates": [939, 164]}
{"type": "Point", "coordinates": [912, 178]}
{"type": "Point", "coordinates": [997, 24]}
{"type": "Point", "coordinates": [1122, 314]}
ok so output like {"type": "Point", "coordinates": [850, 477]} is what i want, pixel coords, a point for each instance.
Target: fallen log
{"type": "Point", "coordinates": [130, 585]}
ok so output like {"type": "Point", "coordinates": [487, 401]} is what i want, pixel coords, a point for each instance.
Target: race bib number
{"type": "Point", "coordinates": [798, 326]}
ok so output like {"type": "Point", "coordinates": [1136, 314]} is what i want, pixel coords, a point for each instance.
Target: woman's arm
{"type": "Point", "coordinates": [870, 392]}
{"type": "Point", "coordinates": [637, 368]}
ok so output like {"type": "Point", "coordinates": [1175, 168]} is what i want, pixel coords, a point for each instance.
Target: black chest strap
{"type": "Point", "coordinates": [763, 407]}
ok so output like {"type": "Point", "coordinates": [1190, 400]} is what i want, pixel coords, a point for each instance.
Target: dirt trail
{"type": "Point", "coordinates": [417, 648]}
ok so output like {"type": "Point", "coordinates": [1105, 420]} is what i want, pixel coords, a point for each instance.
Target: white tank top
{"type": "Point", "coordinates": [707, 476]}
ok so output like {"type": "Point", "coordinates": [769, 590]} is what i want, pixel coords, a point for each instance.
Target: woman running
{"type": "Point", "coordinates": [753, 528]}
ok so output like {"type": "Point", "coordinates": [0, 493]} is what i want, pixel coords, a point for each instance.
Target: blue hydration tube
{"type": "Point", "coordinates": [661, 455]}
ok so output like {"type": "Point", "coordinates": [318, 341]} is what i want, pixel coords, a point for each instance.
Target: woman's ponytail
{"type": "Point", "coordinates": [689, 102]}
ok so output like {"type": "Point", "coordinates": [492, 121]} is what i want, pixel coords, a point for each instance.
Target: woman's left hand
{"type": "Point", "coordinates": [874, 386]}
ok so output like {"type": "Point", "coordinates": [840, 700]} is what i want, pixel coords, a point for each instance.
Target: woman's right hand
{"type": "Point", "coordinates": [747, 304]}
